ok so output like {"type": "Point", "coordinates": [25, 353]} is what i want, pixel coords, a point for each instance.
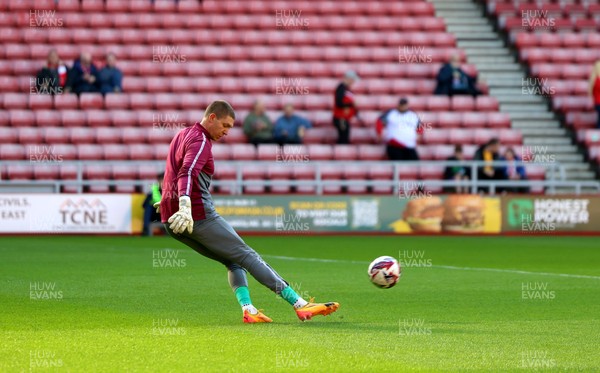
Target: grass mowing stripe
{"type": "Point", "coordinates": [438, 266]}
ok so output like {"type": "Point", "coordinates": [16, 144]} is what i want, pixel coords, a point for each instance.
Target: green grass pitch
{"type": "Point", "coordinates": [104, 304]}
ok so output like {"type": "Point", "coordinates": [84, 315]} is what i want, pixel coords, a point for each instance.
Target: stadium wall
{"type": "Point", "coordinates": [335, 214]}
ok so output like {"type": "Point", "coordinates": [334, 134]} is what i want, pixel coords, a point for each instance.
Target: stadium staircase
{"type": "Point", "coordinates": [510, 84]}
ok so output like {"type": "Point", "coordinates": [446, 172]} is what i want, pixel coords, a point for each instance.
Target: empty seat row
{"type": "Point", "coordinates": [549, 24]}
{"type": "Point", "coordinates": [581, 55]}
{"type": "Point", "coordinates": [410, 7]}
{"type": "Point", "coordinates": [404, 22]}
{"type": "Point", "coordinates": [18, 103]}
{"type": "Point", "coordinates": [119, 39]}
{"type": "Point", "coordinates": [561, 71]}
{"type": "Point", "coordinates": [244, 68]}
{"type": "Point", "coordinates": [581, 119]}
{"type": "Point", "coordinates": [52, 153]}
{"type": "Point", "coordinates": [564, 40]}
{"type": "Point", "coordinates": [589, 137]}
{"type": "Point", "coordinates": [166, 120]}
{"type": "Point", "coordinates": [163, 52]}
{"type": "Point", "coordinates": [548, 9]}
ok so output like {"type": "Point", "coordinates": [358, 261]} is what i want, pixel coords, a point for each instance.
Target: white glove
{"type": "Point", "coordinates": [182, 219]}
{"type": "Point", "coordinates": [157, 207]}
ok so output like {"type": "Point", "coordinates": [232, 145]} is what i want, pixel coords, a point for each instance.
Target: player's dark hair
{"type": "Point", "coordinates": [221, 109]}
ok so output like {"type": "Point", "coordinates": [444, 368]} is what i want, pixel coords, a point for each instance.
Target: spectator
{"type": "Point", "coordinates": [84, 75]}
{"type": "Point", "coordinates": [344, 108]}
{"type": "Point", "coordinates": [150, 214]}
{"type": "Point", "coordinates": [52, 78]}
{"type": "Point", "coordinates": [257, 125]}
{"type": "Point", "coordinates": [457, 172]}
{"type": "Point", "coordinates": [110, 76]}
{"type": "Point", "coordinates": [514, 170]}
{"type": "Point", "coordinates": [489, 152]}
{"type": "Point", "coordinates": [399, 128]}
{"type": "Point", "coordinates": [452, 80]}
{"type": "Point", "coordinates": [595, 90]}
{"type": "Point", "coordinates": [289, 128]}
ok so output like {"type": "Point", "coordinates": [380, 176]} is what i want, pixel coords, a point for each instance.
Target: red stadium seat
{"type": "Point", "coordinates": [73, 118]}
{"type": "Point", "coordinates": [318, 152]}
{"type": "Point", "coordinates": [243, 152]}
{"type": "Point", "coordinates": [90, 152]}
{"type": "Point", "coordinates": [371, 152]}
{"type": "Point", "coordinates": [345, 152]}
{"type": "Point", "coordinates": [29, 135]}
{"type": "Point", "coordinates": [65, 101]}
{"type": "Point", "coordinates": [115, 152]}
{"type": "Point", "coordinates": [12, 152]}
{"type": "Point", "coordinates": [21, 118]}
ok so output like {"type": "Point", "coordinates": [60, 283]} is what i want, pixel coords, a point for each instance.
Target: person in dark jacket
{"type": "Point", "coordinates": [457, 172]}
{"type": "Point", "coordinates": [344, 108]}
{"type": "Point", "coordinates": [52, 78]}
{"type": "Point", "coordinates": [110, 76]}
{"type": "Point", "coordinates": [289, 128]}
{"type": "Point", "coordinates": [84, 75]}
{"type": "Point", "coordinates": [489, 152]}
{"type": "Point", "coordinates": [452, 80]}
{"type": "Point", "coordinates": [154, 196]}
{"type": "Point", "coordinates": [515, 170]}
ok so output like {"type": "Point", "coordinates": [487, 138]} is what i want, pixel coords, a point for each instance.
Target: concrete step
{"type": "Point", "coordinates": [494, 82]}
{"type": "Point", "coordinates": [545, 116]}
{"type": "Point", "coordinates": [535, 133]}
{"type": "Point", "coordinates": [536, 125]}
{"type": "Point", "coordinates": [514, 108]}
{"type": "Point", "coordinates": [518, 91]}
{"type": "Point", "coordinates": [453, 6]}
{"type": "Point", "coordinates": [466, 27]}
{"type": "Point", "coordinates": [568, 157]}
{"type": "Point", "coordinates": [524, 99]}
{"type": "Point", "coordinates": [491, 69]}
{"type": "Point", "coordinates": [482, 44]}
{"type": "Point", "coordinates": [549, 147]}
{"type": "Point", "coordinates": [493, 51]}
{"type": "Point", "coordinates": [576, 166]}
{"type": "Point", "coordinates": [492, 59]}
{"type": "Point", "coordinates": [584, 190]}
{"type": "Point", "coordinates": [580, 175]}
{"type": "Point", "coordinates": [481, 35]}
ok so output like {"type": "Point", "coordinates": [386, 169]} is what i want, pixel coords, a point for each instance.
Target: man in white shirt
{"type": "Point", "coordinates": [399, 129]}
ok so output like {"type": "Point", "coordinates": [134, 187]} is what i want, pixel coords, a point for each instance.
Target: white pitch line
{"type": "Point", "coordinates": [439, 266]}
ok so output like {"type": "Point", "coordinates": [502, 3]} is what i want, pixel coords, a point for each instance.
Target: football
{"type": "Point", "coordinates": [384, 272]}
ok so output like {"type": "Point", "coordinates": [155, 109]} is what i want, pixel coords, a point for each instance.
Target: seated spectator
{"type": "Point", "coordinates": [514, 170]}
{"type": "Point", "coordinates": [595, 90]}
{"type": "Point", "coordinates": [257, 125]}
{"type": "Point", "coordinates": [488, 152]}
{"type": "Point", "coordinates": [110, 76]}
{"type": "Point", "coordinates": [84, 75]}
{"type": "Point", "coordinates": [452, 80]}
{"type": "Point", "coordinates": [52, 78]}
{"type": "Point", "coordinates": [457, 172]}
{"type": "Point", "coordinates": [150, 214]}
{"type": "Point", "coordinates": [289, 128]}
{"type": "Point", "coordinates": [399, 129]}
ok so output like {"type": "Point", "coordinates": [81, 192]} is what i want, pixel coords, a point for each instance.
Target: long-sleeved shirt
{"type": "Point", "coordinates": [188, 172]}
{"type": "Point", "coordinates": [287, 128]}
{"type": "Point", "coordinates": [252, 127]}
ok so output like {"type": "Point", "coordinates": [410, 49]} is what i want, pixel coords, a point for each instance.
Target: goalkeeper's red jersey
{"type": "Point", "coordinates": [189, 171]}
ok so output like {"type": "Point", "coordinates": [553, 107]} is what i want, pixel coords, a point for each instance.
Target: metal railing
{"type": "Point", "coordinates": [555, 176]}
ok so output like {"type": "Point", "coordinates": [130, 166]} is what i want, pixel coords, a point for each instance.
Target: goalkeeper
{"type": "Point", "coordinates": [189, 215]}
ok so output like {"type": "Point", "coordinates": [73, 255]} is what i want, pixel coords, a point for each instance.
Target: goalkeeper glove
{"type": "Point", "coordinates": [182, 219]}
{"type": "Point", "coordinates": [157, 207]}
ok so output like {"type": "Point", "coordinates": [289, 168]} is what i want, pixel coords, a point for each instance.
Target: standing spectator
{"type": "Point", "coordinates": [152, 197]}
{"type": "Point", "coordinates": [52, 78]}
{"type": "Point", "coordinates": [110, 76]}
{"type": "Point", "coordinates": [84, 75]}
{"type": "Point", "coordinates": [457, 172]}
{"type": "Point", "coordinates": [289, 128]}
{"type": "Point", "coordinates": [595, 90]}
{"type": "Point", "coordinates": [399, 129]}
{"type": "Point", "coordinates": [452, 80]}
{"type": "Point", "coordinates": [257, 125]}
{"type": "Point", "coordinates": [489, 152]}
{"type": "Point", "coordinates": [344, 108]}
{"type": "Point", "coordinates": [514, 170]}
